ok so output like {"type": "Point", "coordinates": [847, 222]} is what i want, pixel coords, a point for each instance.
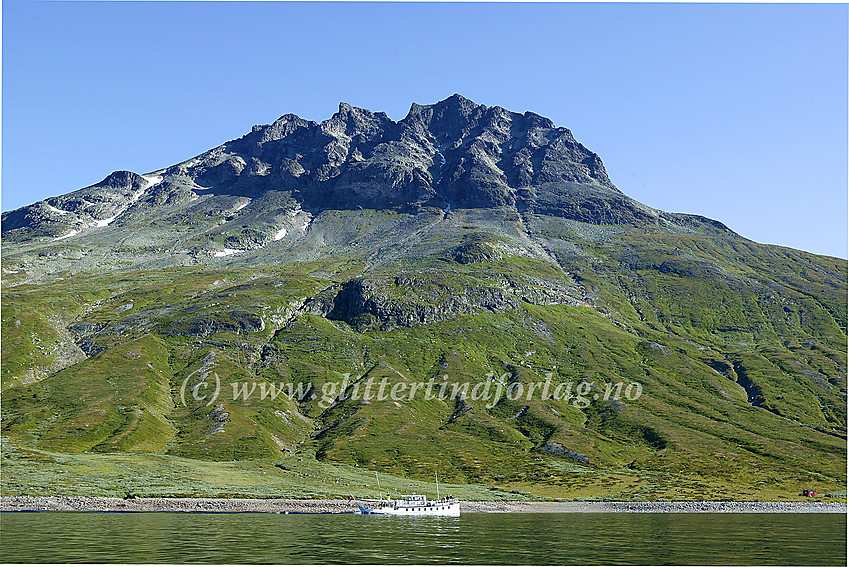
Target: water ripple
{"type": "Point", "coordinates": [521, 539]}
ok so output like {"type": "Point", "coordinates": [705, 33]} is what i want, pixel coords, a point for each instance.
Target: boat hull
{"type": "Point", "coordinates": [439, 509]}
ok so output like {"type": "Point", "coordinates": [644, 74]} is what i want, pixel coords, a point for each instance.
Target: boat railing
{"type": "Point", "coordinates": [408, 501]}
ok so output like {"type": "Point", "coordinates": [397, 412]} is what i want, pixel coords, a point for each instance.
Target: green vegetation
{"type": "Point", "coordinates": [739, 350]}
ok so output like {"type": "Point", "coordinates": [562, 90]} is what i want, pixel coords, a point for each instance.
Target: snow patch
{"type": "Point", "coordinates": [441, 165]}
{"type": "Point", "coordinates": [73, 232]}
{"type": "Point", "coordinates": [227, 252]}
{"type": "Point", "coordinates": [59, 211]}
{"type": "Point", "coordinates": [295, 212]}
{"type": "Point", "coordinates": [103, 222]}
{"type": "Point", "coordinates": [280, 234]}
{"type": "Point", "coordinates": [243, 205]}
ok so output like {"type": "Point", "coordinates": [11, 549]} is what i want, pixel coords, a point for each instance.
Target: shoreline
{"type": "Point", "coordinates": [328, 506]}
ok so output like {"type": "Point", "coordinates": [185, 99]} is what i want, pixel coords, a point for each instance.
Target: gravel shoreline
{"type": "Point", "coordinates": [235, 505]}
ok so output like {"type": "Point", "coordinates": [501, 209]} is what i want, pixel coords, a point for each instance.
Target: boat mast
{"type": "Point", "coordinates": [379, 494]}
{"type": "Point", "coordinates": [437, 484]}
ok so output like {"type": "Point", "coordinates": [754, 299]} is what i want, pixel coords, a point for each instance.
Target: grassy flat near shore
{"type": "Point", "coordinates": [28, 472]}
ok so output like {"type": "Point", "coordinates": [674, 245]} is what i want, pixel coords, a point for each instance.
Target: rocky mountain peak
{"type": "Point", "coordinates": [122, 179]}
{"type": "Point", "coordinates": [459, 106]}
{"type": "Point", "coordinates": [352, 121]}
{"type": "Point", "coordinates": [450, 155]}
{"type": "Point", "coordinates": [282, 127]}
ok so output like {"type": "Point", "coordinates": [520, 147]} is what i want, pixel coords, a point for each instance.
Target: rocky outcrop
{"type": "Point", "coordinates": [414, 299]}
{"type": "Point", "coordinates": [238, 322]}
{"type": "Point", "coordinates": [408, 302]}
{"type": "Point", "coordinates": [561, 451]}
{"type": "Point", "coordinates": [475, 250]}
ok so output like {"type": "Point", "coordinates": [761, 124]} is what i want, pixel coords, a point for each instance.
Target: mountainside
{"type": "Point", "coordinates": [462, 244]}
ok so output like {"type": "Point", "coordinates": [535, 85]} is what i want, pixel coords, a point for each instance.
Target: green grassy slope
{"type": "Point", "coordinates": [739, 350]}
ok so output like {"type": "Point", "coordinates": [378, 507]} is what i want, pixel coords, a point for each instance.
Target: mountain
{"type": "Point", "coordinates": [258, 195]}
{"type": "Point", "coordinates": [462, 244]}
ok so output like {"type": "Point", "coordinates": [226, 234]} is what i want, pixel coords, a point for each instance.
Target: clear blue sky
{"type": "Point", "coordinates": [735, 112]}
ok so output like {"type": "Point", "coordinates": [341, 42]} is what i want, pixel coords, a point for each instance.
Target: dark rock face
{"type": "Point", "coordinates": [408, 301]}
{"type": "Point", "coordinates": [454, 152]}
{"type": "Point", "coordinates": [491, 153]}
{"type": "Point", "coordinates": [414, 299]}
{"type": "Point", "coordinates": [126, 180]}
{"type": "Point", "coordinates": [561, 451]}
{"type": "Point", "coordinates": [36, 219]}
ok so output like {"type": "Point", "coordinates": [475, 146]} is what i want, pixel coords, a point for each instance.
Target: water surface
{"type": "Point", "coordinates": [522, 539]}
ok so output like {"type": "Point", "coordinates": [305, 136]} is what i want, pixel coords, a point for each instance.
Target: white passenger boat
{"type": "Point", "coordinates": [411, 505]}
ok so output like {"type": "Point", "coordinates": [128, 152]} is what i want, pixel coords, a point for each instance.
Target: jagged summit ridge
{"type": "Point", "coordinates": [363, 158]}
{"type": "Point", "coordinates": [360, 158]}
{"type": "Point", "coordinates": [273, 189]}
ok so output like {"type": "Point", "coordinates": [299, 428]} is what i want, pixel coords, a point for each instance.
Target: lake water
{"type": "Point", "coordinates": [547, 539]}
